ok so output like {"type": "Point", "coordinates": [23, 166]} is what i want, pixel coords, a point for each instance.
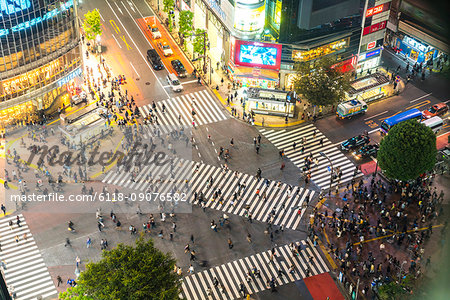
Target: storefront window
{"type": "Point", "coordinates": [39, 77]}
{"type": "Point", "coordinates": [320, 51]}
{"type": "Point", "coordinates": [414, 54]}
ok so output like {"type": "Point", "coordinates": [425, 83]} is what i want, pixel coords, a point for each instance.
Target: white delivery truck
{"type": "Point", "coordinates": [350, 108]}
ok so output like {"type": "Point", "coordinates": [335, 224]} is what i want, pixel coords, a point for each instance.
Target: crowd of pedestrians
{"type": "Point", "coordinates": [378, 227]}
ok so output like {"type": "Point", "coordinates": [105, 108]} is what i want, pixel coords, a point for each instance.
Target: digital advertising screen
{"type": "Point", "coordinates": [261, 55]}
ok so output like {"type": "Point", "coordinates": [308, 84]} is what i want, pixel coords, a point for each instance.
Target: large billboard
{"type": "Point", "coordinates": [255, 54]}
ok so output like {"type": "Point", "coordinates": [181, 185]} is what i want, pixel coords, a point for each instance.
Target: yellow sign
{"type": "Point", "coordinates": [320, 51]}
{"type": "Point", "coordinates": [47, 69]}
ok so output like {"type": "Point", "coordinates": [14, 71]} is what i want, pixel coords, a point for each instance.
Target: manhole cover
{"type": "Point", "coordinates": [147, 83]}
{"type": "Point", "coordinates": [137, 79]}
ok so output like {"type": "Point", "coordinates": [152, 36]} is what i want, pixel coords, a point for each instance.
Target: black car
{"type": "Point", "coordinates": [154, 59]}
{"type": "Point", "coordinates": [355, 142]}
{"type": "Point", "coordinates": [366, 151]}
{"type": "Point", "coordinates": [179, 68]}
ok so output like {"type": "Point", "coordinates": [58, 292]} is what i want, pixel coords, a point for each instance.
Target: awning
{"type": "Point", "coordinates": [255, 73]}
{"type": "Point", "coordinates": [422, 36]}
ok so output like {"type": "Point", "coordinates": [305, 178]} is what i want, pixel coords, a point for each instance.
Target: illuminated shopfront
{"type": "Point", "coordinates": [416, 50]}
{"type": "Point", "coordinates": [37, 78]}
{"type": "Point", "coordinates": [254, 64]}
{"type": "Point", "coordinates": [270, 102]}
{"type": "Point", "coordinates": [39, 47]}
{"type": "Point", "coordinates": [300, 55]}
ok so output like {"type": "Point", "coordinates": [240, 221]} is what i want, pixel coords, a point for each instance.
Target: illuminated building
{"type": "Point", "coordinates": [40, 58]}
{"type": "Point", "coordinates": [419, 30]}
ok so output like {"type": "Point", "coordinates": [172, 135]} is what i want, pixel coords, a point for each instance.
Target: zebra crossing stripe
{"type": "Point", "coordinates": [206, 108]}
{"type": "Point", "coordinates": [284, 139]}
{"type": "Point", "coordinates": [281, 202]}
{"type": "Point", "coordinates": [25, 268]}
{"type": "Point", "coordinates": [231, 274]}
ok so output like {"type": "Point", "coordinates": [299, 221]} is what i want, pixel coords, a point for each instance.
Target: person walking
{"type": "Point", "coordinates": [88, 242]}
{"type": "Point", "coordinates": [59, 280]}
{"type": "Point", "coordinates": [3, 209]}
{"type": "Point", "coordinates": [230, 244]}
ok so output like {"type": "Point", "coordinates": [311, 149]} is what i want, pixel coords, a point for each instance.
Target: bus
{"type": "Point", "coordinates": [411, 114]}
{"type": "Point", "coordinates": [435, 123]}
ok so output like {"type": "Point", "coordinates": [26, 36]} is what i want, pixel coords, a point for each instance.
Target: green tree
{"type": "Point", "coordinates": [168, 7]}
{"type": "Point", "coordinates": [320, 82]}
{"type": "Point", "coordinates": [127, 272]}
{"type": "Point", "coordinates": [395, 289]}
{"type": "Point", "coordinates": [199, 41]}
{"type": "Point", "coordinates": [186, 22]}
{"type": "Point", "coordinates": [92, 25]}
{"type": "Point", "coordinates": [408, 151]}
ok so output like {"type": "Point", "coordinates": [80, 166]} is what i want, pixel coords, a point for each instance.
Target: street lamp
{"type": "Point", "coordinates": [331, 164]}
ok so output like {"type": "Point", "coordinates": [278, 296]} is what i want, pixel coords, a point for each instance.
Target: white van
{"type": "Point", "coordinates": [174, 82]}
{"type": "Point", "coordinates": [435, 123]}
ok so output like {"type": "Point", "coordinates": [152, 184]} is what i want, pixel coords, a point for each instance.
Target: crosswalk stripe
{"type": "Point", "coordinates": [231, 274]}
{"type": "Point", "coordinates": [281, 203]}
{"type": "Point", "coordinates": [25, 268]}
{"type": "Point", "coordinates": [206, 111]}
{"type": "Point", "coordinates": [284, 139]}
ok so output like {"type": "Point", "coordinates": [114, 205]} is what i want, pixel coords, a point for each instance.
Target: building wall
{"type": "Point", "coordinates": [39, 46]}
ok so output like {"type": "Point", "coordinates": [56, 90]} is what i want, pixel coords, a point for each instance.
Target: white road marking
{"type": "Point", "coordinates": [145, 60]}
{"type": "Point", "coordinates": [135, 69]}
{"type": "Point", "coordinates": [116, 41]}
{"type": "Point", "coordinates": [375, 130]}
{"type": "Point", "coordinates": [375, 115]}
{"type": "Point", "coordinates": [420, 98]}
{"type": "Point", "coordinates": [101, 16]}
{"type": "Point", "coordinates": [118, 8]}
{"type": "Point", "coordinates": [191, 81]}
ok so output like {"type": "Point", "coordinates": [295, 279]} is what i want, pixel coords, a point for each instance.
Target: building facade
{"type": "Point", "coordinates": [40, 58]}
{"type": "Point", "coordinates": [376, 15]}
{"type": "Point", "coordinates": [302, 30]}
{"type": "Point", "coordinates": [419, 29]}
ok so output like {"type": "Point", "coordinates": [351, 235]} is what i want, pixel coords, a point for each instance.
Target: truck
{"type": "Point", "coordinates": [348, 109]}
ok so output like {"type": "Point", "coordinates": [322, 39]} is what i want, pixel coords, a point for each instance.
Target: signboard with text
{"type": "Point", "coordinates": [377, 9]}
{"type": "Point", "coordinates": [374, 28]}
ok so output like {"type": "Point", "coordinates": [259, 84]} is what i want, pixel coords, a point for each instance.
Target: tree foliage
{"type": "Point", "coordinates": [396, 290]}
{"type": "Point", "coordinates": [92, 25]}
{"type": "Point", "coordinates": [199, 41]}
{"type": "Point", "coordinates": [320, 82]}
{"type": "Point", "coordinates": [168, 5]}
{"type": "Point", "coordinates": [185, 21]}
{"type": "Point", "coordinates": [408, 151]}
{"type": "Point", "coordinates": [127, 272]}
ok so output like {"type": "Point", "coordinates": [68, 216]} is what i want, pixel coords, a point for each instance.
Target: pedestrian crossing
{"type": "Point", "coordinates": [193, 109]}
{"type": "Point", "coordinates": [265, 200]}
{"type": "Point", "coordinates": [22, 263]}
{"type": "Point", "coordinates": [231, 275]}
{"type": "Point", "coordinates": [320, 174]}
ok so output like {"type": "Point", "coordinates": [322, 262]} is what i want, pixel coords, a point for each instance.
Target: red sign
{"type": "Point", "coordinates": [374, 27]}
{"type": "Point", "coordinates": [377, 9]}
{"type": "Point", "coordinates": [374, 10]}
{"type": "Point", "coordinates": [371, 45]}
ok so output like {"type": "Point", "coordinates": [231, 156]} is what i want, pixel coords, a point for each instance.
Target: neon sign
{"type": "Point", "coordinates": [9, 7]}
{"type": "Point", "coordinates": [377, 9]}
{"type": "Point", "coordinates": [28, 24]}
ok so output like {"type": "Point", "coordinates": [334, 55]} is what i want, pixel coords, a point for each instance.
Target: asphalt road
{"type": "Point", "coordinates": [124, 46]}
